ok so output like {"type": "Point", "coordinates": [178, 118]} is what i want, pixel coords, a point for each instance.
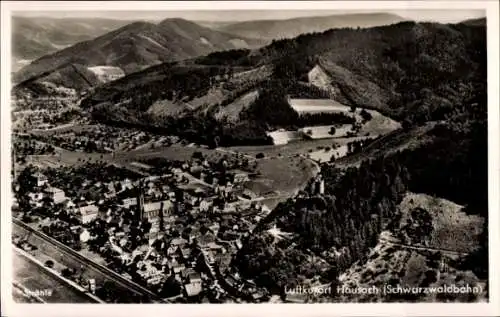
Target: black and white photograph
{"type": "Point", "coordinates": [243, 155]}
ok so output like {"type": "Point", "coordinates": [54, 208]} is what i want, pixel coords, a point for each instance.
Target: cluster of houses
{"type": "Point", "coordinates": [102, 141]}
{"type": "Point", "coordinates": [40, 112]}
{"type": "Point", "coordinates": [43, 193]}
{"type": "Point", "coordinates": [192, 211]}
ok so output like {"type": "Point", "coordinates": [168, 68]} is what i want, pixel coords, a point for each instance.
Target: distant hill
{"type": "Point", "coordinates": [214, 24]}
{"type": "Point", "coordinates": [279, 29]}
{"type": "Point", "coordinates": [34, 37]}
{"type": "Point", "coordinates": [139, 45]}
{"type": "Point", "coordinates": [477, 22]}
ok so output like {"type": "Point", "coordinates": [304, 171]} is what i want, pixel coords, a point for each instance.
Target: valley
{"type": "Point", "coordinates": [225, 163]}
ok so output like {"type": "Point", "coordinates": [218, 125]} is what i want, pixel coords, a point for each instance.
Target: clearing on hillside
{"type": "Point", "coordinates": [450, 228]}
{"type": "Point", "coordinates": [232, 111]}
{"type": "Point", "coordinates": [390, 266]}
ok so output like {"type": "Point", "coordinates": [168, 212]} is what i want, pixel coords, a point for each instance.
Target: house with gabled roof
{"type": "Point", "coordinates": [88, 213]}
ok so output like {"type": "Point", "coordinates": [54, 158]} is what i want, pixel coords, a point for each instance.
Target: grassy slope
{"type": "Point", "coordinates": [232, 110]}
{"type": "Point", "coordinates": [392, 265]}
{"type": "Point", "coordinates": [283, 175]}
{"type": "Point", "coordinates": [236, 92]}
{"type": "Point", "coordinates": [453, 229]}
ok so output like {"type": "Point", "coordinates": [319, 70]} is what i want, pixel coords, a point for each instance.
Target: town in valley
{"type": "Point", "coordinates": [189, 160]}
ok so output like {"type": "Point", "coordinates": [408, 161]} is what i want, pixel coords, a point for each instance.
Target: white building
{"type": "Point", "coordinates": [40, 179]}
{"type": "Point", "coordinates": [57, 195]}
{"type": "Point", "coordinates": [129, 202]}
{"type": "Point", "coordinates": [88, 213]}
{"type": "Point", "coordinates": [205, 205]}
{"type": "Point", "coordinates": [152, 209]}
{"type": "Point", "coordinates": [84, 236]}
{"type": "Point", "coordinates": [241, 177]}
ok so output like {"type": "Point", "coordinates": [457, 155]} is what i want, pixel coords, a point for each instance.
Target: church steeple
{"type": "Point", "coordinates": [140, 200]}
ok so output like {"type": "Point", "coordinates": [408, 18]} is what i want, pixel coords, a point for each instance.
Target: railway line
{"type": "Point", "coordinates": [74, 259]}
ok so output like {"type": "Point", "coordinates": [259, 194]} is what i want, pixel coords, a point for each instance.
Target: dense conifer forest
{"type": "Point", "coordinates": [412, 72]}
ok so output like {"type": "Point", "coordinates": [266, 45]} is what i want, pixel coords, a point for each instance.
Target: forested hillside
{"type": "Point", "coordinates": [413, 72]}
{"type": "Point", "coordinates": [361, 202]}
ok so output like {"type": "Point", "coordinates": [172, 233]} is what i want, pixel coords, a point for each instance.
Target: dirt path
{"type": "Point", "coordinates": [421, 248]}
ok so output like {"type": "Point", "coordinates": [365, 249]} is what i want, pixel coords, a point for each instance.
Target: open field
{"type": "Point", "coordinates": [323, 132]}
{"type": "Point", "coordinates": [175, 152]}
{"type": "Point", "coordinates": [325, 156]}
{"type": "Point", "coordinates": [282, 174]}
{"type": "Point", "coordinates": [66, 158]}
{"type": "Point", "coordinates": [285, 175]}
{"type": "Point", "coordinates": [232, 111]}
{"type": "Point", "coordinates": [318, 106]}
{"type": "Point", "coordinates": [294, 148]}
{"type": "Point", "coordinates": [167, 108]}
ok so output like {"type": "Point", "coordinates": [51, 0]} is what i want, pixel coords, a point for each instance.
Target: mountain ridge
{"type": "Point", "coordinates": [34, 37]}
{"type": "Point", "coordinates": [287, 28]}
{"type": "Point", "coordinates": [383, 68]}
{"type": "Point", "coordinates": [139, 45]}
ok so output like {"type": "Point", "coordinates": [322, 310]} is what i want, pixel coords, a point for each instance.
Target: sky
{"type": "Point", "coordinates": [444, 16]}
